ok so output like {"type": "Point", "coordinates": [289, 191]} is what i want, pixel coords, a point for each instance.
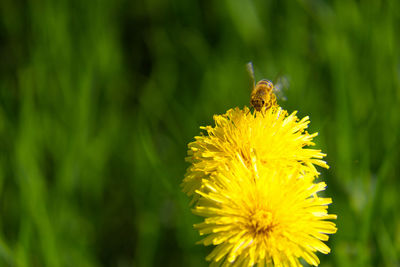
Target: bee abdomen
{"type": "Point", "coordinates": [265, 82]}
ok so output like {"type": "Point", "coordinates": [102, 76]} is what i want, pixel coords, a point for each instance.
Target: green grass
{"type": "Point", "coordinates": [98, 101]}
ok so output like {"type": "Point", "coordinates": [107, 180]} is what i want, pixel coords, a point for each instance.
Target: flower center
{"type": "Point", "coordinates": [261, 222]}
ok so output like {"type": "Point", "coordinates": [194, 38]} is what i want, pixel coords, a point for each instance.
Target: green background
{"type": "Point", "coordinates": [99, 99]}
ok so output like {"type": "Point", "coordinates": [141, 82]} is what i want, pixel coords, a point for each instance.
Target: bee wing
{"type": "Point", "coordinates": [281, 86]}
{"type": "Point", "coordinates": [250, 70]}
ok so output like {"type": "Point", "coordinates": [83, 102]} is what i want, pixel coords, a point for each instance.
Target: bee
{"type": "Point", "coordinates": [263, 95]}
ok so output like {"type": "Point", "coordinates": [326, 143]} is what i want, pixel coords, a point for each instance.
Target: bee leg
{"type": "Point", "coordinates": [279, 113]}
{"type": "Point", "coordinates": [256, 113]}
{"type": "Point", "coordinates": [250, 110]}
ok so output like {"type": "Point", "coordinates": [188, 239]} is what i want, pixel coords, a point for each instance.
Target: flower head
{"type": "Point", "coordinates": [261, 215]}
{"type": "Point", "coordinates": [253, 179]}
{"type": "Point", "coordinates": [279, 140]}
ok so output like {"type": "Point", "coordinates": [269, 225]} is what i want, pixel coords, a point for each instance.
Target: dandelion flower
{"type": "Point", "coordinates": [279, 139]}
{"type": "Point", "coordinates": [253, 179]}
{"type": "Point", "coordinates": [264, 216]}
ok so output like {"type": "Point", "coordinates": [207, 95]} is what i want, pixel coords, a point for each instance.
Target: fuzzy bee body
{"type": "Point", "coordinates": [262, 96]}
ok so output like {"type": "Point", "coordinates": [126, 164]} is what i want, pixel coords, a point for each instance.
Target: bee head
{"type": "Point", "coordinates": [257, 103]}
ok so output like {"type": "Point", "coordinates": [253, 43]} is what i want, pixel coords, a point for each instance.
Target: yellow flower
{"type": "Point", "coordinates": [279, 140]}
{"type": "Point", "coordinates": [253, 179]}
{"type": "Point", "coordinates": [263, 216]}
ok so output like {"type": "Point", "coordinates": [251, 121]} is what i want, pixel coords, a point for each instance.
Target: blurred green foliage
{"type": "Point", "coordinates": [98, 100]}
